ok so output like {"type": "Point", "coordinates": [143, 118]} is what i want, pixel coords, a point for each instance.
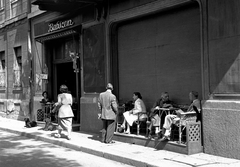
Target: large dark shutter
{"type": "Point", "coordinates": [94, 59]}
{"type": "Point", "coordinates": [161, 53]}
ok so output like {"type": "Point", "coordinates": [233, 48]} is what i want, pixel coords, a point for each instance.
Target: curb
{"type": "Point", "coordinates": [98, 153]}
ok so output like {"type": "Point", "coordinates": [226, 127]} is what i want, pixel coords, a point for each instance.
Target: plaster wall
{"type": "Point", "coordinates": [221, 128]}
{"type": "Point", "coordinates": [89, 118]}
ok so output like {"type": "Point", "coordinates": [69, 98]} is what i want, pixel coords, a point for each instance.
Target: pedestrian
{"type": "Point", "coordinates": [65, 113]}
{"type": "Point", "coordinates": [108, 109]}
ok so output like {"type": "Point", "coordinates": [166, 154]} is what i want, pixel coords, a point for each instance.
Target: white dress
{"type": "Point", "coordinates": [139, 107]}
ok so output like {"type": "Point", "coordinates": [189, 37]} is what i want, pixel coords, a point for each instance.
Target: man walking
{"type": "Point", "coordinates": [108, 108]}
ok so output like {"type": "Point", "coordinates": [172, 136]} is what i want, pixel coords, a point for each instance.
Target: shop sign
{"type": "Point", "coordinates": [60, 25]}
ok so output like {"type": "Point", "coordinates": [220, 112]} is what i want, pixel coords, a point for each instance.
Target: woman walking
{"type": "Point", "coordinates": [65, 113]}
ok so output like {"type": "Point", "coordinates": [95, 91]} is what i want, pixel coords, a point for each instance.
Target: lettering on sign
{"type": "Point", "coordinates": [60, 25]}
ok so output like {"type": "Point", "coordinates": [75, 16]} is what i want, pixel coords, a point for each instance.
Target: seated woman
{"type": "Point", "coordinates": [132, 115]}
{"type": "Point", "coordinates": [45, 98]}
{"type": "Point", "coordinates": [44, 101]}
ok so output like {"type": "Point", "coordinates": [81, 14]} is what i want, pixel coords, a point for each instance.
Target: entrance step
{"type": "Point", "coordinates": [173, 146]}
{"type": "Point", "coordinates": [76, 127]}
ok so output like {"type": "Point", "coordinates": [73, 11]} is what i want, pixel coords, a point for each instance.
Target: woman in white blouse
{"type": "Point", "coordinates": [138, 110]}
{"type": "Point", "coordinates": [65, 113]}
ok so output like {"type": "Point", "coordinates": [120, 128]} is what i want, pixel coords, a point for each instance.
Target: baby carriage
{"type": "Point", "coordinates": [48, 114]}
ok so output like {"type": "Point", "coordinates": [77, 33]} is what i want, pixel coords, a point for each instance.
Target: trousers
{"type": "Point", "coordinates": [107, 130]}
{"type": "Point", "coordinates": [168, 121]}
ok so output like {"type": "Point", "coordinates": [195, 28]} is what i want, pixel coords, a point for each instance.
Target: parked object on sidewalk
{"type": "Point", "coordinates": [30, 124]}
{"type": "Point", "coordinates": [49, 126]}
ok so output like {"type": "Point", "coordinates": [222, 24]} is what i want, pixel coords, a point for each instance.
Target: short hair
{"type": "Point", "coordinates": [109, 86]}
{"type": "Point", "coordinates": [63, 89]}
{"type": "Point", "coordinates": [44, 93]}
{"type": "Point", "coordinates": [138, 94]}
{"type": "Point", "coordinates": [164, 93]}
{"type": "Point", "coordinates": [194, 93]}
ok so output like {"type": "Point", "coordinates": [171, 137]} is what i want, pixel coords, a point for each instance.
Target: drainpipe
{"type": "Point", "coordinates": [31, 64]}
{"type": "Point", "coordinates": [7, 85]}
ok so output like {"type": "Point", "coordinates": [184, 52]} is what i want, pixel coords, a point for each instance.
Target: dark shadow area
{"type": "Point", "coordinates": [96, 137]}
{"type": "Point", "coordinates": [13, 152]}
{"type": "Point", "coordinates": [158, 145]}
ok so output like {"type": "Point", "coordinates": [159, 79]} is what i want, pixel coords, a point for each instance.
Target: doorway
{"type": "Point", "coordinates": [66, 75]}
{"type": "Point", "coordinates": [63, 71]}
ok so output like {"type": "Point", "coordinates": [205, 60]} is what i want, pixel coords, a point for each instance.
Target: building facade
{"type": "Point", "coordinates": [150, 46]}
{"type": "Point", "coordinates": [15, 79]}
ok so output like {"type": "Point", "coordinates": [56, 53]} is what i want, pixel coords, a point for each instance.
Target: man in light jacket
{"type": "Point", "coordinates": [108, 108]}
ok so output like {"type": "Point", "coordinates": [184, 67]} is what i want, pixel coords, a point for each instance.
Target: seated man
{"type": "Point", "coordinates": [170, 119]}
{"type": "Point", "coordinates": [163, 102]}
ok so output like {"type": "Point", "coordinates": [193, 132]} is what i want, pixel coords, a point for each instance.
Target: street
{"type": "Point", "coordinates": [19, 151]}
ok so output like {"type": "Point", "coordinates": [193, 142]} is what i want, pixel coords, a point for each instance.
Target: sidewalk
{"type": "Point", "coordinates": [131, 154]}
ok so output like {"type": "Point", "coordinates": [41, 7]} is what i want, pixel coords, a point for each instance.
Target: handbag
{"type": "Point", "coordinates": [56, 108]}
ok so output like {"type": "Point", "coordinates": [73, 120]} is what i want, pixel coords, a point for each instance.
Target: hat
{"type": "Point", "coordinates": [109, 86]}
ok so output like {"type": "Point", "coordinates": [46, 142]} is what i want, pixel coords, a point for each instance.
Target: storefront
{"type": "Point", "coordinates": [151, 46]}
{"type": "Point", "coordinates": [69, 48]}
{"type": "Point", "coordinates": [57, 45]}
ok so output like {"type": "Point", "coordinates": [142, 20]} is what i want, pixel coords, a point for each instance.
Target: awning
{"type": "Point", "coordinates": [63, 5]}
{"type": "Point", "coordinates": [46, 37]}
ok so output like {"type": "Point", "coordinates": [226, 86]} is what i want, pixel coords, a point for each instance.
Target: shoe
{"type": "Point", "coordinates": [111, 142]}
{"type": "Point", "coordinates": [160, 135]}
{"type": "Point", "coordinates": [68, 137]}
{"type": "Point", "coordinates": [149, 136]}
{"type": "Point", "coordinates": [57, 135]}
{"type": "Point", "coordinates": [122, 126]}
{"type": "Point", "coordinates": [165, 138]}
{"type": "Point", "coordinates": [127, 132]}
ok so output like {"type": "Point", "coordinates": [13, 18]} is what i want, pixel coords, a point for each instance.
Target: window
{"type": "Point", "coordinates": [2, 70]}
{"type": "Point", "coordinates": [15, 8]}
{"type": "Point", "coordinates": [93, 59]}
{"type": "Point", "coordinates": [2, 12]}
{"type": "Point", "coordinates": [17, 67]}
{"type": "Point", "coordinates": [1, 4]}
